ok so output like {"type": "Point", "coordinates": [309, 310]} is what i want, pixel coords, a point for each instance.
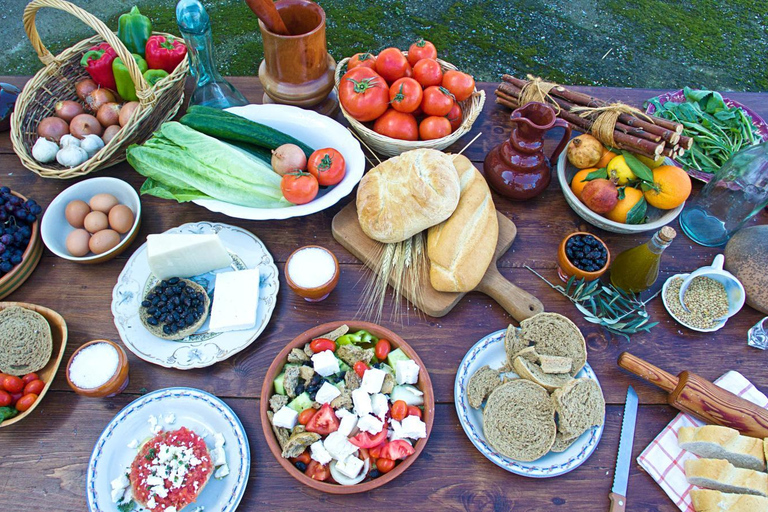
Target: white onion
{"type": "Point", "coordinates": [288, 158]}
{"type": "Point", "coordinates": [345, 480]}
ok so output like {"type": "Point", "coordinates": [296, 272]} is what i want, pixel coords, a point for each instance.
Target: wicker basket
{"type": "Point", "coordinates": [56, 81]}
{"type": "Point", "coordinates": [470, 109]}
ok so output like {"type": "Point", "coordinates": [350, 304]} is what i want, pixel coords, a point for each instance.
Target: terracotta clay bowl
{"type": "Point", "coordinates": [317, 293]}
{"type": "Point", "coordinates": [566, 269]}
{"type": "Point", "coordinates": [115, 385]}
{"type": "Point", "coordinates": [30, 258]}
{"type": "Point", "coordinates": [424, 384]}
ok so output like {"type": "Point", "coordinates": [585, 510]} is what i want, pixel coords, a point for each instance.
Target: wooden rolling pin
{"type": "Point", "coordinates": [269, 15]}
{"type": "Point", "coordinates": [699, 397]}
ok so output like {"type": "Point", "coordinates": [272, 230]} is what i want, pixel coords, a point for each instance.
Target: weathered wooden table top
{"type": "Point", "coordinates": [43, 459]}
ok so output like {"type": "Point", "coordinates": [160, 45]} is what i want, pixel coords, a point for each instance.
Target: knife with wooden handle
{"type": "Point", "coordinates": [697, 396]}
{"type": "Point", "coordinates": [618, 495]}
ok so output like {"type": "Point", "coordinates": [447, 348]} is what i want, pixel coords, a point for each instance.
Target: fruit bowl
{"type": "Point", "coordinates": [656, 218]}
{"type": "Point", "coordinates": [30, 258]}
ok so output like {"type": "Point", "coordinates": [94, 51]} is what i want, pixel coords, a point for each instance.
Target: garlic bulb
{"type": "Point", "coordinates": [71, 156]}
{"type": "Point", "coordinates": [69, 140]}
{"type": "Point", "coordinates": [44, 150]}
{"type": "Point", "coordinates": [92, 143]}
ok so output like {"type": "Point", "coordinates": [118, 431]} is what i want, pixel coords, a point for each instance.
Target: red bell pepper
{"type": "Point", "coordinates": [98, 63]}
{"type": "Point", "coordinates": [163, 53]}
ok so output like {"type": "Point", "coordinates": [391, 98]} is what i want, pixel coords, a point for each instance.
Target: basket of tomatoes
{"type": "Point", "coordinates": [397, 101]}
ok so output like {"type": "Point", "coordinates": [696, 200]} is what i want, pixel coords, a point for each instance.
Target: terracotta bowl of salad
{"type": "Point", "coordinates": [347, 407]}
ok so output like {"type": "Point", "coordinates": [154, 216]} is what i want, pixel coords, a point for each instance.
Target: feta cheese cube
{"type": "Point", "coordinates": [121, 482]}
{"type": "Point", "coordinates": [413, 427]}
{"type": "Point", "coordinates": [133, 444]}
{"type": "Point", "coordinates": [319, 453]}
{"type": "Point", "coordinates": [347, 424]}
{"type": "Point", "coordinates": [159, 490]}
{"type": "Point", "coordinates": [117, 495]}
{"type": "Point", "coordinates": [395, 430]}
{"type": "Point", "coordinates": [221, 472]}
{"type": "Point", "coordinates": [325, 363]}
{"type": "Point", "coordinates": [370, 424]}
{"type": "Point", "coordinates": [285, 417]}
{"type": "Point", "coordinates": [170, 418]}
{"type": "Point", "coordinates": [407, 372]}
{"type": "Point", "coordinates": [373, 379]}
{"type": "Point", "coordinates": [379, 405]}
{"type": "Point", "coordinates": [218, 440]}
{"type": "Point", "coordinates": [154, 480]}
{"type": "Point", "coordinates": [338, 445]}
{"type": "Point", "coordinates": [151, 503]}
{"type": "Point", "coordinates": [362, 402]}
{"type": "Point", "coordinates": [327, 393]}
{"type": "Point", "coordinates": [235, 301]}
{"type": "Point", "coordinates": [350, 466]}
{"type": "Point", "coordinates": [218, 457]}
{"type": "Point", "coordinates": [340, 413]}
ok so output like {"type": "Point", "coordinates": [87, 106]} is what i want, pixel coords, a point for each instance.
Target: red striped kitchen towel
{"type": "Point", "coordinates": [665, 461]}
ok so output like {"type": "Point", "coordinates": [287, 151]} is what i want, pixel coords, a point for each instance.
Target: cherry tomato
{"type": "Point", "coordinates": [364, 94]}
{"type": "Point", "coordinates": [460, 84]}
{"type": "Point", "coordinates": [304, 458]}
{"type": "Point", "coordinates": [375, 452]}
{"type": "Point", "coordinates": [306, 415]}
{"type": "Point", "coordinates": [364, 59]}
{"type": "Point", "coordinates": [29, 378]}
{"type": "Point", "coordinates": [397, 125]}
{"type": "Point", "coordinates": [437, 101]}
{"type": "Point", "coordinates": [421, 49]}
{"type": "Point", "coordinates": [434, 127]}
{"type": "Point", "coordinates": [405, 95]}
{"type": "Point", "coordinates": [397, 450]}
{"type": "Point", "coordinates": [428, 72]}
{"type": "Point", "coordinates": [399, 410]}
{"type": "Point", "coordinates": [328, 166]}
{"type": "Point", "coordinates": [360, 368]}
{"type": "Point", "coordinates": [385, 465]}
{"type": "Point", "coordinates": [25, 402]}
{"type": "Point", "coordinates": [299, 187]}
{"type": "Point", "coordinates": [34, 386]}
{"type": "Point", "coordinates": [317, 471]}
{"type": "Point", "coordinates": [13, 384]}
{"type": "Point", "coordinates": [391, 64]}
{"type": "Point", "coordinates": [324, 421]}
{"type": "Point", "coordinates": [454, 116]}
{"type": "Point", "coordinates": [382, 348]}
{"type": "Point", "coordinates": [5, 398]}
{"type": "Point", "coordinates": [414, 411]}
{"type": "Point", "coordinates": [15, 398]}
{"type": "Point", "coordinates": [366, 440]}
{"type": "Point", "coordinates": [322, 344]}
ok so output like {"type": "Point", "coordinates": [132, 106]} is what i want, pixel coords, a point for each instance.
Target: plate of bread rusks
{"type": "Point", "coordinates": [528, 400]}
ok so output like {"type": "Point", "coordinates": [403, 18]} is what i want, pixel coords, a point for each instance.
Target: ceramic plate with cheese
{"type": "Point", "coordinates": [175, 449]}
{"type": "Point", "coordinates": [195, 295]}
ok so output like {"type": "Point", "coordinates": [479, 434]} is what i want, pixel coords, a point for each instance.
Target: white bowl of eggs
{"type": "Point", "coordinates": [92, 221]}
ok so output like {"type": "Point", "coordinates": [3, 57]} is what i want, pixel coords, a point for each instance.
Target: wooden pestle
{"type": "Point", "coordinates": [269, 15]}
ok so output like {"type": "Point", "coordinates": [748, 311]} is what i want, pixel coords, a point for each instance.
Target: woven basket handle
{"type": "Point", "coordinates": [143, 89]}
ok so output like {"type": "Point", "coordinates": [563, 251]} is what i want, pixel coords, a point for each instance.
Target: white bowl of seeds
{"type": "Point", "coordinates": [708, 302]}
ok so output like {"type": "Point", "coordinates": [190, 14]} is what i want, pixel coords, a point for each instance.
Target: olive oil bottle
{"type": "Point", "coordinates": [636, 269]}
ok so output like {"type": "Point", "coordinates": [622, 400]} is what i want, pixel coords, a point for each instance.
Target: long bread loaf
{"type": "Point", "coordinates": [706, 500]}
{"type": "Point", "coordinates": [716, 442]}
{"type": "Point", "coordinates": [721, 475]}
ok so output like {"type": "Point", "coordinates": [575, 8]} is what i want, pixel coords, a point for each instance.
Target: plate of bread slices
{"type": "Point", "coordinates": [528, 400]}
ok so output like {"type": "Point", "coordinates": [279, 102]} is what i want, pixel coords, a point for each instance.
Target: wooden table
{"type": "Point", "coordinates": [43, 459]}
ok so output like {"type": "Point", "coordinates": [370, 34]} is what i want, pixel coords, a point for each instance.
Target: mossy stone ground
{"type": "Point", "coordinates": [646, 43]}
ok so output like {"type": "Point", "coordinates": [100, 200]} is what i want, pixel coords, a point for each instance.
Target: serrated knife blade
{"type": "Point", "coordinates": [621, 474]}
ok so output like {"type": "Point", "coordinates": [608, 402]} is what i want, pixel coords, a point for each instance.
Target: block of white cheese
{"type": "Point", "coordinates": [327, 393]}
{"type": "Point", "coordinates": [285, 417]}
{"type": "Point", "coordinates": [185, 255]}
{"type": "Point", "coordinates": [235, 301]}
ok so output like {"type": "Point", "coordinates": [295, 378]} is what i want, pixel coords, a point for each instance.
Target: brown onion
{"type": "Point", "coordinates": [85, 87]}
{"type": "Point", "coordinates": [127, 111]}
{"type": "Point", "coordinates": [85, 124]}
{"type": "Point", "coordinates": [52, 128]}
{"type": "Point", "coordinates": [68, 109]}
{"type": "Point", "coordinates": [108, 114]}
{"type": "Point", "coordinates": [288, 158]}
{"type": "Point", "coordinates": [97, 98]}
{"type": "Point", "coordinates": [110, 133]}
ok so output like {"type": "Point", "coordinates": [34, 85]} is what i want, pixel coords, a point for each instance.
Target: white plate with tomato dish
{"type": "Point", "coordinates": [315, 130]}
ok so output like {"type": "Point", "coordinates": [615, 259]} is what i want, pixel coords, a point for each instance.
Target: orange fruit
{"type": "Point", "coordinates": [631, 197]}
{"type": "Point", "coordinates": [577, 183]}
{"type": "Point", "coordinates": [672, 186]}
{"type": "Point", "coordinates": [607, 157]}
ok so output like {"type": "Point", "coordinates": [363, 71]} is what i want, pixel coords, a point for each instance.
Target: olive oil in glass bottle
{"type": "Point", "coordinates": [636, 269]}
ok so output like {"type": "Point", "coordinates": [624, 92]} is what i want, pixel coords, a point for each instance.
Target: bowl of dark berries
{"type": "Point", "coordinates": [20, 244]}
{"type": "Point", "coordinates": [582, 255]}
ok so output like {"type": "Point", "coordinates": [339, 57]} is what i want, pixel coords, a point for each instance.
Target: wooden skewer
{"type": "Point", "coordinates": [269, 15]}
{"type": "Point", "coordinates": [469, 143]}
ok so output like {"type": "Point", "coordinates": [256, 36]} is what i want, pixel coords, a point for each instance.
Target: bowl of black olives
{"type": "Point", "coordinates": [582, 255]}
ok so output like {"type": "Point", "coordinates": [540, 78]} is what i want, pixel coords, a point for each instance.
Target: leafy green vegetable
{"type": "Point", "coordinates": [7, 413]}
{"type": "Point", "coordinates": [599, 173]}
{"type": "Point", "coordinates": [128, 506]}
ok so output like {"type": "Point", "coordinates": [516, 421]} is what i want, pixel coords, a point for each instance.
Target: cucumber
{"type": "Point", "coordinates": [262, 154]}
{"type": "Point", "coordinates": [385, 367]}
{"type": "Point", "coordinates": [231, 127]}
{"type": "Point", "coordinates": [279, 388]}
{"type": "Point", "coordinates": [408, 394]}
{"type": "Point", "coordinates": [395, 356]}
{"type": "Point", "coordinates": [343, 367]}
{"type": "Point", "coordinates": [301, 402]}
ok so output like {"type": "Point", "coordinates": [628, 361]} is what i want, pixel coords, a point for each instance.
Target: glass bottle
{"type": "Point", "coordinates": [736, 193]}
{"type": "Point", "coordinates": [211, 90]}
{"type": "Point", "coordinates": [636, 269]}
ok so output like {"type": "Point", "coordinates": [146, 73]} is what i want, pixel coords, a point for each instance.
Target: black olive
{"type": "Point", "coordinates": [151, 310]}
{"type": "Point", "coordinates": [182, 284]}
{"type": "Point", "coordinates": [173, 280]}
{"type": "Point", "coordinates": [155, 300]}
{"type": "Point", "coordinates": [186, 302]}
{"type": "Point", "coordinates": [301, 466]}
{"type": "Point", "coordinates": [163, 284]}
{"type": "Point", "coordinates": [300, 388]}
{"type": "Point", "coordinates": [374, 474]}
{"type": "Point", "coordinates": [190, 318]}
{"type": "Point", "coordinates": [168, 319]}
{"type": "Point", "coordinates": [145, 303]}
{"type": "Point", "coordinates": [199, 296]}
{"type": "Point", "coordinates": [152, 320]}
{"type": "Point", "coordinates": [167, 329]}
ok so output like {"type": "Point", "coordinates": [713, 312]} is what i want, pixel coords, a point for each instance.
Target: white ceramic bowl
{"type": "Point", "coordinates": [54, 227]}
{"type": "Point", "coordinates": [656, 218]}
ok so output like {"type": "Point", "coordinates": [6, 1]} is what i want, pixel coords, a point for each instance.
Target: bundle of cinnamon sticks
{"type": "Point", "coordinates": [647, 135]}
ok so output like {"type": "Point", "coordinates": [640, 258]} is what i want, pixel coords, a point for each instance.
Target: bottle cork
{"type": "Point", "coordinates": [667, 233]}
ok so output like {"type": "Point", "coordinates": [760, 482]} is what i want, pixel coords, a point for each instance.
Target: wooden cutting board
{"type": "Point", "coordinates": [516, 301]}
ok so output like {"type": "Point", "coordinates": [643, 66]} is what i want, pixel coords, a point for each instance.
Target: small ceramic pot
{"type": "Point", "coordinates": [566, 269]}
{"type": "Point", "coordinates": [317, 293]}
{"type": "Point", "coordinates": [115, 385]}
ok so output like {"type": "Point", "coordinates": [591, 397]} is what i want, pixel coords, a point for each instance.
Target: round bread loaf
{"type": "Point", "coordinates": [555, 335]}
{"type": "Point", "coordinates": [746, 257]}
{"type": "Point", "coordinates": [25, 341]}
{"type": "Point", "coordinates": [157, 330]}
{"type": "Point", "coordinates": [407, 194]}
{"type": "Point", "coordinates": [580, 405]}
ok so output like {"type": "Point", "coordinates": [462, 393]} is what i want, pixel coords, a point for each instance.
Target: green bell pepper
{"type": "Point", "coordinates": [152, 76]}
{"type": "Point", "coordinates": [134, 29]}
{"type": "Point", "coordinates": [7, 413]}
{"type": "Point", "coordinates": [125, 87]}
{"type": "Point", "coordinates": [361, 336]}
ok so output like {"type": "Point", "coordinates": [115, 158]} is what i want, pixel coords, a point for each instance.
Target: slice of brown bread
{"type": "Point", "coordinates": [529, 354]}
{"type": "Point", "coordinates": [555, 364]}
{"type": "Point", "coordinates": [26, 342]}
{"type": "Point", "coordinates": [480, 385]}
{"type": "Point", "coordinates": [513, 343]}
{"type": "Point", "coordinates": [555, 335]}
{"type": "Point", "coordinates": [580, 405]}
{"type": "Point", "coordinates": [533, 372]}
{"type": "Point", "coordinates": [157, 330]}
{"type": "Point", "coordinates": [519, 420]}
{"type": "Point", "coordinates": [563, 442]}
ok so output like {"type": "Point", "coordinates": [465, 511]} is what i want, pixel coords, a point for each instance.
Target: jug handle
{"type": "Point", "coordinates": [566, 137]}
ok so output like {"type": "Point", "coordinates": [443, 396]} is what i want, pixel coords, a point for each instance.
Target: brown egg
{"type": "Point", "coordinates": [77, 242]}
{"type": "Point", "coordinates": [95, 221]}
{"type": "Point", "coordinates": [75, 213]}
{"type": "Point", "coordinates": [103, 202]}
{"type": "Point", "coordinates": [103, 241]}
{"type": "Point", "coordinates": [121, 219]}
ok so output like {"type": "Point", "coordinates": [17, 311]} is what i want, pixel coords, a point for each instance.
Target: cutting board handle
{"type": "Point", "coordinates": [647, 371]}
{"type": "Point", "coordinates": [516, 301]}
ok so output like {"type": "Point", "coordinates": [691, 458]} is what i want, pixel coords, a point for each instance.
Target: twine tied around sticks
{"type": "Point", "coordinates": [604, 125]}
{"type": "Point", "coordinates": [538, 90]}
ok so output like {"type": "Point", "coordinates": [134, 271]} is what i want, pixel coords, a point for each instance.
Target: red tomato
{"type": "Point", "coordinates": [299, 187]}
{"type": "Point", "coordinates": [366, 440]}
{"type": "Point", "coordinates": [328, 166]}
{"type": "Point", "coordinates": [391, 64]}
{"type": "Point", "coordinates": [385, 465]}
{"type": "Point", "coordinates": [405, 95]}
{"type": "Point", "coordinates": [322, 344]}
{"type": "Point", "coordinates": [414, 411]}
{"type": "Point", "coordinates": [428, 72]}
{"type": "Point", "coordinates": [364, 94]}
{"type": "Point", "coordinates": [360, 368]}
{"type": "Point", "coordinates": [304, 458]}
{"type": "Point", "coordinates": [454, 116]}
{"type": "Point", "coordinates": [434, 127]}
{"type": "Point", "coordinates": [324, 421]}
{"type": "Point", "coordinates": [29, 378]}
{"type": "Point", "coordinates": [382, 348]}
{"type": "Point", "coordinates": [397, 450]}
{"type": "Point", "coordinates": [421, 49]}
{"type": "Point", "coordinates": [397, 125]}
{"type": "Point", "coordinates": [364, 59]}
{"type": "Point", "coordinates": [399, 410]}
{"type": "Point", "coordinates": [13, 384]}
{"type": "Point", "coordinates": [460, 84]}
{"type": "Point", "coordinates": [34, 386]}
{"type": "Point", "coordinates": [375, 452]}
{"type": "Point", "coordinates": [408, 72]}
{"type": "Point", "coordinates": [5, 398]}
{"type": "Point", "coordinates": [317, 471]}
{"type": "Point", "coordinates": [15, 398]}
{"type": "Point", "coordinates": [306, 415]}
{"type": "Point", "coordinates": [25, 402]}
{"type": "Point", "coordinates": [437, 101]}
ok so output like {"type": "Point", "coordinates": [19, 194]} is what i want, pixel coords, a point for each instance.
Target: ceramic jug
{"type": "Point", "coordinates": [518, 168]}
